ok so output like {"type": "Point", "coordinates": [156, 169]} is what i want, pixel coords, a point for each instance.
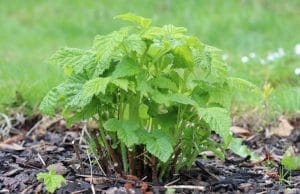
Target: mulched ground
{"type": "Point", "coordinates": [32, 145]}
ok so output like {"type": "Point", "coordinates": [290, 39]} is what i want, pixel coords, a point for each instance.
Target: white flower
{"type": "Point", "coordinates": [281, 52]}
{"type": "Point", "coordinates": [297, 71]}
{"type": "Point", "coordinates": [270, 57]}
{"type": "Point", "coordinates": [252, 55]}
{"type": "Point", "coordinates": [297, 49]}
{"type": "Point", "coordinates": [225, 57]}
{"type": "Point", "coordinates": [244, 59]}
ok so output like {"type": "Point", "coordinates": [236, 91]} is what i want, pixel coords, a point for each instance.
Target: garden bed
{"type": "Point", "coordinates": [35, 144]}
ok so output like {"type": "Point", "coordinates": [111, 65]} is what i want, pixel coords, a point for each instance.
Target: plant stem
{"type": "Point", "coordinates": [154, 170]}
{"type": "Point", "coordinates": [176, 133]}
{"type": "Point", "coordinates": [131, 162]}
{"type": "Point", "coordinates": [150, 124]}
{"type": "Point", "coordinates": [108, 147]}
{"type": "Point", "coordinates": [174, 161]}
{"type": "Point", "coordinates": [123, 147]}
{"type": "Point", "coordinates": [124, 157]}
{"type": "Point", "coordinates": [139, 163]}
{"type": "Point", "coordinates": [103, 161]}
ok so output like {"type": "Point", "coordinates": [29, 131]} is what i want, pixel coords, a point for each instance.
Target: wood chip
{"type": "Point", "coordinates": [284, 128]}
{"type": "Point", "coordinates": [59, 168]}
{"type": "Point", "coordinates": [241, 132]}
{"type": "Point", "coordinates": [4, 191]}
{"type": "Point", "coordinates": [13, 146]}
{"type": "Point", "coordinates": [97, 180]}
{"type": "Point", "coordinates": [12, 172]}
{"type": "Point", "coordinates": [13, 139]}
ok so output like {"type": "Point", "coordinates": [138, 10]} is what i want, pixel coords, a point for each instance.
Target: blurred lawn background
{"type": "Point", "coordinates": [31, 30]}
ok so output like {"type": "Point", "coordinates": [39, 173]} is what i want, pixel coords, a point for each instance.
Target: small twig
{"type": "Point", "coordinates": [99, 164]}
{"type": "Point", "coordinates": [238, 161]}
{"type": "Point", "coordinates": [190, 187]}
{"type": "Point", "coordinates": [41, 159]}
{"type": "Point", "coordinates": [76, 149]}
{"type": "Point", "coordinates": [82, 134]}
{"type": "Point", "coordinates": [39, 122]}
{"type": "Point", "coordinates": [103, 178]}
{"type": "Point", "coordinates": [91, 181]}
{"type": "Point", "coordinates": [28, 165]}
{"type": "Point", "coordinates": [34, 127]}
{"type": "Point", "coordinates": [202, 167]}
{"type": "Point", "coordinates": [95, 156]}
{"type": "Point", "coordinates": [172, 182]}
{"type": "Point", "coordinates": [6, 129]}
{"type": "Point", "coordinates": [28, 188]}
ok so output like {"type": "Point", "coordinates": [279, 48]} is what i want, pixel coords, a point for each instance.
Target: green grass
{"type": "Point", "coordinates": [32, 30]}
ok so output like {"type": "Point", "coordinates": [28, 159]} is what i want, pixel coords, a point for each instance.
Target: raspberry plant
{"type": "Point", "coordinates": [51, 180]}
{"type": "Point", "coordinates": [156, 94]}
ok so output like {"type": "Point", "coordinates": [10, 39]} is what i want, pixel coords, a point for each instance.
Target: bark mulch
{"type": "Point", "coordinates": [32, 145]}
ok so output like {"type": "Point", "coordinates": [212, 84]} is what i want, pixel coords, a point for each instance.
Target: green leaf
{"type": "Point", "coordinates": [236, 145]}
{"type": "Point", "coordinates": [175, 32]}
{"type": "Point", "coordinates": [143, 111]}
{"type": "Point", "coordinates": [221, 94]}
{"type": "Point", "coordinates": [72, 92]}
{"type": "Point", "coordinates": [87, 112]}
{"type": "Point", "coordinates": [290, 160]}
{"type": "Point", "coordinates": [79, 100]}
{"type": "Point", "coordinates": [144, 87]}
{"type": "Point", "coordinates": [219, 121]}
{"type": "Point", "coordinates": [127, 133]}
{"type": "Point", "coordinates": [125, 68]}
{"type": "Point", "coordinates": [129, 125]}
{"type": "Point", "coordinates": [166, 31]}
{"type": "Point", "coordinates": [48, 104]}
{"type": "Point", "coordinates": [218, 73]}
{"type": "Point", "coordinates": [170, 191]}
{"type": "Point", "coordinates": [73, 59]}
{"type": "Point", "coordinates": [141, 21]}
{"type": "Point", "coordinates": [135, 43]}
{"type": "Point", "coordinates": [128, 137]}
{"type": "Point", "coordinates": [164, 83]}
{"type": "Point", "coordinates": [216, 149]}
{"type": "Point", "coordinates": [51, 180]}
{"type": "Point", "coordinates": [126, 130]}
{"type": "Point", "coordinates": [182, 57]}
{"type": "Point", "coordinates": [112, 125]}
{"type": "Point", "coordinates": [105, 47]}
{"type": "Point", "coordinates": [122, 83]}
{"type": "Point", "coordinates": [95, 86]}
{"type": "Point", "coordinates": [166, 121]}
{"type": "Point", "coordinates": [200, 95]}
{"type": "Point", "coordinates": [160, 147]}
{"type": "Point", "coordinates": [182, 99]}
{"type": "Point", "coordinates": [202, 58]}
{"type": "Point", "coordinates": [238, 84]}
{"type": "Point", "coordinates": [160, 98]}
{"type": "Point", "coordinates": [166, 99]}
{"type": "Point", "coordinates": [152, 33]}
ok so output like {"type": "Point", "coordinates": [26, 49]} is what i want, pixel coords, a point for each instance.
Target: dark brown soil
{"type": "Point", "coordinates": [35, 144]}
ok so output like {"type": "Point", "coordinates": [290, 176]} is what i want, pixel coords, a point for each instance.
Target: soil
{"type": "Point", "coordinates": [33, 144]}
